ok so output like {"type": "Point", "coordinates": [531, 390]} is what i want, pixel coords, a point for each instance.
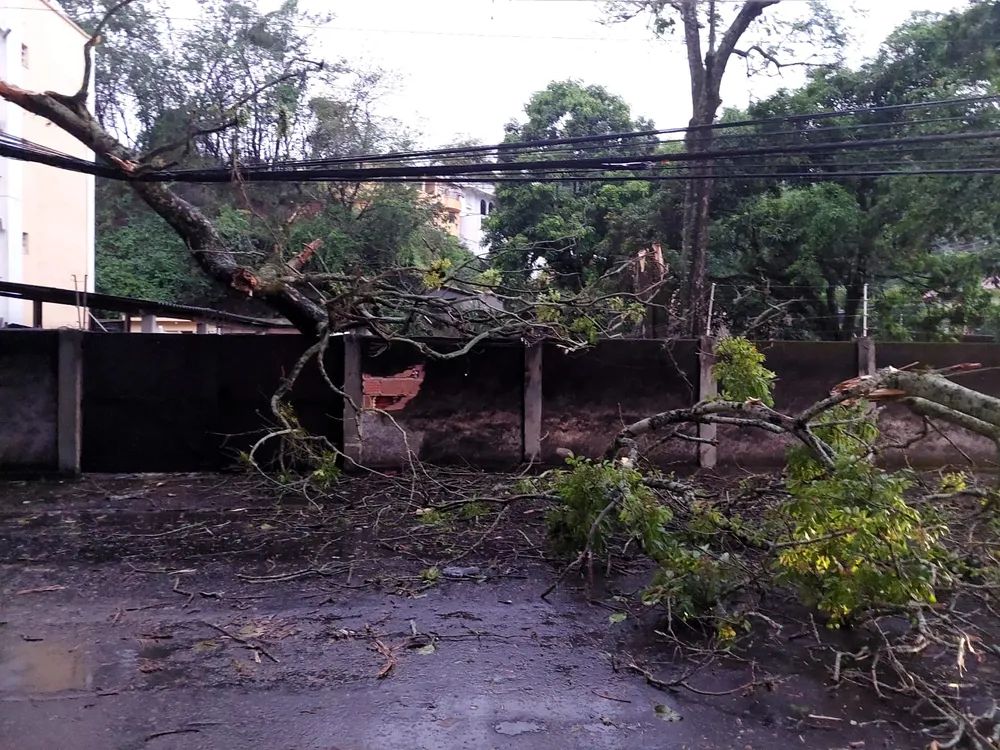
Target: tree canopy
{"type": "Point", "coordinates": [576, 231]}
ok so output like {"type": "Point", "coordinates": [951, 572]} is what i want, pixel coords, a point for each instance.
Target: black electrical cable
{"type": "Point", "coordinates": [644, 164]}
{"type": "Point", "coordinates": [515, 145]}
{"type": "Point", "coordinates": [637, 163]}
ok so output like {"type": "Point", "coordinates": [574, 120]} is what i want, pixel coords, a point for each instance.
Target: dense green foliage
{"type": "Point", "coordinates": [155, 84]}
{"type": "Point", "coordinates": [791, 257]}
{"type": "Point", "coordinates": [740, 372]}
{"type": "Point", "coordinates": [792, 260]}
{"type": "Point", "coordinates": [142, 257]}
{"type": "Point", "coordinates": [855, 543]}
{"type": "Point", "coordinates": [578, 231]}
{"type": "Point", "coordinates": [587, 490]}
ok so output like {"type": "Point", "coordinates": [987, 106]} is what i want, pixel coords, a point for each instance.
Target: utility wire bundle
{"type": "Point", "coordinates": [956, 138]}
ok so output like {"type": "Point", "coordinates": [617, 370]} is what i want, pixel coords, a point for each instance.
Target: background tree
{"type": "Point", "coordinates": [159, 82]}
{"type": "Point", "coordinates": [924, 244]}
{"type": "Point", "coordinates": [577, 230]}
{"type": "Point", "coordinates": [713, 32]}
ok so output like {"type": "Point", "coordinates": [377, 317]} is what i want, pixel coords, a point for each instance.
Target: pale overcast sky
{"type": "Point", "coordinates": [465, 67]}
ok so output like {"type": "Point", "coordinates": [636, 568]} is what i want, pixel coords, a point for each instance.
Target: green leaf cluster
{"type": "Point", "coordinates": [740, 371]}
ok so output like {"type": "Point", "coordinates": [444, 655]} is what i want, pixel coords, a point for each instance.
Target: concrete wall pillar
{"type": "Point", "coordinates": [866, 356]}
{"type": "Point", "coordinates": [531, 426]}
{"type": "Point", "coordinates": [148, 323]}
{"type": "Point", "coordinates": [708, 453]}
{"type": "Point", "coordinates": [70, 395]}
{"type": "Point", "coordinates": [353, 398]}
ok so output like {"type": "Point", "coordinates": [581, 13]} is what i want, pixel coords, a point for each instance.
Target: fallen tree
{"type": "Point", "coordinates": [906, 563]}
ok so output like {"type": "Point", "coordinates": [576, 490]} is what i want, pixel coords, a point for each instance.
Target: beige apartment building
{"type": "Point", "coordinates": [46, 214]}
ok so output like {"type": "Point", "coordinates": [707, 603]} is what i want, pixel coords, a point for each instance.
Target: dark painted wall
{"type": "Point", "coordinates": [467, 410]}
{"type": "Point", "coordinates": [185, 403]}
{"type": "Point", "coordinates": [28, 400]}
{"type": "Point", "coordinates": [588, 396]}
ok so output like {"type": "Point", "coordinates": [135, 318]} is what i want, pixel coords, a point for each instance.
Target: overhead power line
{"type": "Point", "coordinates": [640, 165]}
{"type": "Point", "coordinates": [513, 146]}
{"type": "Point", "coordinates": [80, 165]}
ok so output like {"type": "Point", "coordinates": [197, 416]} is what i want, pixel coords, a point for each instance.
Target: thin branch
{"type": "Point", "coordinates": [80, 97]}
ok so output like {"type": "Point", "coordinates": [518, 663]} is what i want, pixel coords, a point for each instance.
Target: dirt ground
{"type": "Point", "coordinates": [199, 612]}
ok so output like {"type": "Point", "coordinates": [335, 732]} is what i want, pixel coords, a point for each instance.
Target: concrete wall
{"type": "Point", "coordinates": [588, 396]}
{"type": "Point", "coordinates": [105, 402]}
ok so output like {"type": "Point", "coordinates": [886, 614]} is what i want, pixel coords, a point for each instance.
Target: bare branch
{"type": "Point", "coordinates": [88, 51]}
{"type": "Point", "coordinates": [772, 60]}
{"type": "Point", "coordinates": [748, 14]}
{"type": "Point", "coordinates": [230, 118]}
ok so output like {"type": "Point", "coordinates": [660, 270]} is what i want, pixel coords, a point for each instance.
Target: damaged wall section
{"type": "Point", "coordinates": [463, 410]}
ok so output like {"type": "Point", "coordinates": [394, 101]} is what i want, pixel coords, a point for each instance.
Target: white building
{"type": "Point", "coordinates": [465, 206]}
{"type": "Point", "coordinates": [46, 214]}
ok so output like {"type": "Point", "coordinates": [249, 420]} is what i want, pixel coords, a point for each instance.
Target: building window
{"type": "Point", "coordinates": [24, 242]}
{"type": "Point", "coordinates": [489, 208]}
{"type": "Point", "coordinates": [482, 207]}
{"type": "Point", "coordinates": [24, 55]}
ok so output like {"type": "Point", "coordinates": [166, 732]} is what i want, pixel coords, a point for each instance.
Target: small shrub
{"type": "Point", "coordinates": [432, 517]}
{"type": "Point", "coordinates": [691, 579]}
{"type": "Point", "coordinates": [739, 369]}
{"type": "Point", "coordinates": [586, 489]}
{"type": "Point", "coordinates": [692, 582]}
{"type": "Point", "coordinates": [326, 471]}
{"type": "Point", "coordinates": [525, 486]}
{"type": "Point", "coordinates": [474, 510]}
{"type": "Point", "coordinates": [430, 575]}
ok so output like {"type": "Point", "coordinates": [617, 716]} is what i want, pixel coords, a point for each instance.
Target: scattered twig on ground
{"type": "Point", "coordinates": [40, 590]}
{"type": "Point", "coordinates": [243, 641]}
{"type": "Point", "coordinates": [682, 682]}
{"type": "Point", "coordinates": [599, 694]}
{"type": "Point", "coordinates": [166, 733]}
{"type": "Point", "coordinates": [325, 570]}
{"type": "Point", "coordinates": [390, 659]}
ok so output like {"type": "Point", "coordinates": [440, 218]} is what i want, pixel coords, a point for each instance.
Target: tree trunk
{"type": "Point", "coordinates": [706, 74]}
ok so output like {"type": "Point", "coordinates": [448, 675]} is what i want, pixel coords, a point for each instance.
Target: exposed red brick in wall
{"type": "Point", "coordinates": [392, 392]}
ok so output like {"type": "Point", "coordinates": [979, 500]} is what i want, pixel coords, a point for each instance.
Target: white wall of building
{"type": "Point", "coordinates": [477, 202]}
{"type": "Point", "coordinates": [47, 215]}
{"type": "Point", "coordinates": [11, 181]}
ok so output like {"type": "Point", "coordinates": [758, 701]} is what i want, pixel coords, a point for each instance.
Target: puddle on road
{"type": "Point", "coordinates": [43, 666]}
{"type": "Point", "coordinates": [514, 728]}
